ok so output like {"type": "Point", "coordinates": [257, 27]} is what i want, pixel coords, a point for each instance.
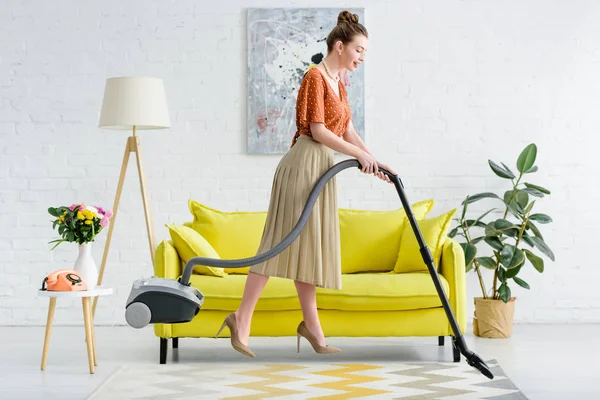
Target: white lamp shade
{"type": "Point", "coordinates": [134, 101]}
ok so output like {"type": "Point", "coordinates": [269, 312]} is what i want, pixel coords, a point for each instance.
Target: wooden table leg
{"type": "Point", "coordinates": [87, 321]}
{"type": "Point", "coordinates": [93, 329]}
{"type": "Point", "coordinates": [51, 308]}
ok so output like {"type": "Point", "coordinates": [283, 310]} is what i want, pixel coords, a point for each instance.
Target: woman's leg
{"type": "Point", "coordinates": [307, 294]}
{"type": "Point", "coordinates": [255, 284]}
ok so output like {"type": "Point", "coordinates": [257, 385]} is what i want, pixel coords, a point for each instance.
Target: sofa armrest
{"type": "Point", "coordinates": [167, 263]}
{"type": "Point", "coordinates": [452, 267]}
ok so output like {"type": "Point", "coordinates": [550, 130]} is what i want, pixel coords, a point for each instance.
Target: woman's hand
{"type": "Point", "coordinates": [368, 163]}
{"type": "Point", "coordinates": [382, 175]}
{"type": "Point", "coordinates": [370, 166]}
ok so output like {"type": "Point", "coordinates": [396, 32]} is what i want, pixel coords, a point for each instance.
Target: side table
{"type": "Point", "coordinates": [88, 320]}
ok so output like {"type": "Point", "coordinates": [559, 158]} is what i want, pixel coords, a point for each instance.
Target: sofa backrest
{"type": "Point", "coordinates": [369, 239]}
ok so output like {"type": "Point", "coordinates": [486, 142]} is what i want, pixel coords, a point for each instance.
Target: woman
{"type": "Point", "coordinates": [324, 125]}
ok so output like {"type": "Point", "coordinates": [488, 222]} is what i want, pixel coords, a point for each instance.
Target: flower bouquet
{"type": "Point", "coordinates": [80, 223]}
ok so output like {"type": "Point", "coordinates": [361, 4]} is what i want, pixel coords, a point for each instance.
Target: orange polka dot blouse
{"type": "Point", "coordinates": [317, 102]}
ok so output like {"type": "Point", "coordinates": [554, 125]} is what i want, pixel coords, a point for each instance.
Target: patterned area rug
{"type": "Point", "coordinates": [408, 381]}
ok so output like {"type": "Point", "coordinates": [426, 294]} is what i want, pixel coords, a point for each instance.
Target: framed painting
{"type": "Point", "coordinates": [282, 44]}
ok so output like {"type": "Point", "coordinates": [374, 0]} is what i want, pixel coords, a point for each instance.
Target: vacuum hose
{"type": "Point", "coordinates": [289, 239]}
{"type": "Point", "coordinates": [458, 340]}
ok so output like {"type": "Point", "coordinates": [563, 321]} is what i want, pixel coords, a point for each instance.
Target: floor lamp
{"type": "Point", "coordinates": [132, 103]}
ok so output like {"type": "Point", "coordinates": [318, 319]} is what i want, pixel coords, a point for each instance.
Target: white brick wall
{"type": "Point", "coordinates": [449, 85]}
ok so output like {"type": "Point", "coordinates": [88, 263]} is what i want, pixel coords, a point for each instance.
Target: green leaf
{"type": "Point", "coordinates": [479, 196]}
{"type": "Point", "coordinates": [57, 243]}
{"type": "Point", "coordinates": [534, 229]}
{"type": "Point", "coordinates": [53, 211]}
{"type": "Point", "coordinates": [484, 215]}
{"type": "Point", "coordinates": [470, 252]}
{"type": "Point", "coordinates": [494, 242]}
{"type": "Point", "coordinates": [502, 274]}
{"type": "Point", "coordinates": [501, 172]}
{"type": "Point", "coordinates": [533, 192]}
{"type": "Point", "coordinates": [507, 169]}
{"type": "Point", "coordinates": [541, 218]}
{"type": "Point", "coordinates": [528, 208]}
{"type": "Point", "coordinates": [511, 203]}
{"type": "Point", "coordinates": [472, 222]}
{"type": "Point", "coordinates": [491, 230]}
{"type": "Point", "coordinates": [477, 239]}
{"type": "Point", "coordinates": [504, 292]}
{"type": "Point", "coordinates": [532, 170]}
{"type": "Point", "coordinates": [511, 273]}
{"type": "Point", "coordinates": [537, 262]}
{"type": "Point", "coordinates": [464, 209]}
{"type": "Point", "coordinates": [511, 256]}
{"type": "Point", "coordinates": [507, 227]}
{"type": "Point", "coordinates": [527, 158]}
{"type": "Point", "coordinates": [527, 239]}
{"type": "Point", "coordinates": [487, 262]}
{"type": "Point", "coordinates": [522, 199]}
{"type": "Point", "coordinates": [543, 247]}
{"type": "Point", "coordinates": [453, 232]}
{"type": "Point", "coordinates": [536, 187]}
{"type": "Point", "coordinates": [521, 282]}
{"type": "Point", "coordinates": [468, 267]}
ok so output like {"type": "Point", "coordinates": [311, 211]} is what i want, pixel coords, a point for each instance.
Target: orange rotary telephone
{"type": "Point", "coordinates": [64, 280]}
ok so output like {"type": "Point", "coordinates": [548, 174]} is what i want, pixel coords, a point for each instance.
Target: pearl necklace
{"type": "Point", "coordinates": [337, 78]}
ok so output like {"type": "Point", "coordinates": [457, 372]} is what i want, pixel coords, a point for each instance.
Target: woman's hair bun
{"type": "Point", "coordinates": [347, 16]}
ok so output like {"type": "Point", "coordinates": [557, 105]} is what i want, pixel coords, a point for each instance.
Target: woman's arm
{"type": "Point", "coordinates": [323, 135]}
{"type": "Point", "coordinates": [352, 137]}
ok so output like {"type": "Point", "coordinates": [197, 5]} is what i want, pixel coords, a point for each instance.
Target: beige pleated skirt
{"type": "Point", "coordinates": [314, 257]}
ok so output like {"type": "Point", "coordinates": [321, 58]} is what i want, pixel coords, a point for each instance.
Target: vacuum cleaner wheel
{"type": "Point", "coordinates": [138, 315]}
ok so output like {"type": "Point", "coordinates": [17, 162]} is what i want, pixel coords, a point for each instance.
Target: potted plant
{"type": "Point", "coordinates": [80, 224]}
{"type": "Point", "coordinates": [511, 240]}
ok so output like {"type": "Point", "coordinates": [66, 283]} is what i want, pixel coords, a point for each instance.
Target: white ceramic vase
{"type": "Point", "coordinates": [85, 266]}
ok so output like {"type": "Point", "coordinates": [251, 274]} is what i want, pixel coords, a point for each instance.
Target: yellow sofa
{"type": "Point", "coordinates": [386, 288]}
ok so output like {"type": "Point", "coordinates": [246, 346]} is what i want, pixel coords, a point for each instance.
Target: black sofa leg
{"type": "Point", "coordinates": [440, 340]}
{"type": "Point", "coordinates": [175, 342]}
{"type": "Point", "coordinates": [455, 351]}
{"type": "Point", "coordinates": [163, 350]}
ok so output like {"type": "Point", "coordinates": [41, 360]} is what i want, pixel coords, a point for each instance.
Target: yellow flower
{"type": "Point", "coordinates": [80, 215]}
{"type": "Point", "coordinates": [89, 214]}
{"type": "Point", "coordinates": [88, 222]}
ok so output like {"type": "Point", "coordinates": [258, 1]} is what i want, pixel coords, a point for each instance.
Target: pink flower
{"type": "Point", "coordinates": [104, 222]}
{"type": "Point", "coordinates": [103, 212]}
{"type": "Point", "coordinates": [72, 207]}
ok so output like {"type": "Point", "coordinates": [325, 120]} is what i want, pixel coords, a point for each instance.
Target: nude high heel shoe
{"type": "Point", "coordinates": [235, 341]}
{"type": "Point", "coordinates": [304, 332]}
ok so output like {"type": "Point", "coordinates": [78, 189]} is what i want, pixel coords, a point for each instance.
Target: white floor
{"type": "Point", "coordinates": [544, 361]}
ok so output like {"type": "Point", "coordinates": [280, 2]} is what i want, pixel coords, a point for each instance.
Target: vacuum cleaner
{"type": "Point", "coordinates": [171, 301]}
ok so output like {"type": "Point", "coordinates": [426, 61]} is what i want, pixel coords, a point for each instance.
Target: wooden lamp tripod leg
{"type": "Point", "coordinates": [145, 198]}
{"type": "Point", "coordinates": [115, 209]}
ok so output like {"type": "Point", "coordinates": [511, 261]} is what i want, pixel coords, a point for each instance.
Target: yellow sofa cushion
{"type": "Point", "coordinates": [189, 244]}
{"type": "Point", "coordinates": [361, 292]}
{"type": "Point", "coordinates": [434, 231]}
{"type": "Point", "coordinates": [370, 239]}
{"type": "Point", "coordinates": [233, 235]}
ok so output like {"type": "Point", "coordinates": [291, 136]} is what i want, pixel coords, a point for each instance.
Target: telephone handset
{"type": "Point", "coordinates": [64, 280]}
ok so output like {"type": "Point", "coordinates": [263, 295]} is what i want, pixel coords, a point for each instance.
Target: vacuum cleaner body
{"type": "Point", "coordinates": [159, 300]}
